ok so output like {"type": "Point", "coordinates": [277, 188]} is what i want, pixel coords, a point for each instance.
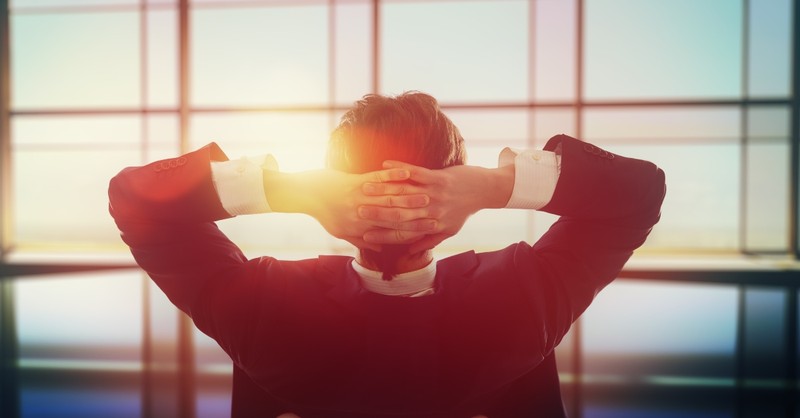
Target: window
{"type": "Point", "coordinates": [703, 321]}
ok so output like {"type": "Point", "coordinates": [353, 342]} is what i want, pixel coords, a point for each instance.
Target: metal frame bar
{"type": "Point", "coordinates": [739, 349]}
{"type": "Point", "coordinates": [96, 8]}
{"type": "Point", "coordinates": [187, 390]}
{"type": "Point", "coordinates": [794, 144]}
{"type": "Point", "coordinates": [147, 342]}
{"type": "Point", "coordinates": [792, 302]}
{"type": "Point", "coordinates": [443, 105]}
{"type": "Point", "coordinates": [9, 373]}
{"type": "Point", "coordinates": [332, 51]}
{"type": "Point", "coordinates": [741, 300]}
{"type": "Point", "coordinates": [5, 130]}
{"type": "Point", "coordinates": [376, 51]}
{"type": "Point", "coordinates": [743, 126]}
{"type": "Point", "coordinates": [577, 326]}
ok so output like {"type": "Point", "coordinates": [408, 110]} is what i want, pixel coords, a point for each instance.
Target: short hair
{"type": "Point", "coordinates": [410, 128]}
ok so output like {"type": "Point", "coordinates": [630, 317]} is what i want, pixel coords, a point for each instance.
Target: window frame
{"type": "Point", "coordinates": [743, 278]}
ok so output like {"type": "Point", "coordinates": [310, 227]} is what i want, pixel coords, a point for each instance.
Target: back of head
{"type": "Point", "coordinates": [409, 128]}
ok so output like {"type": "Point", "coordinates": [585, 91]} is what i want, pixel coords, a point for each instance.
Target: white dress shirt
{"type": "Point", "coordinates": [240, 186]}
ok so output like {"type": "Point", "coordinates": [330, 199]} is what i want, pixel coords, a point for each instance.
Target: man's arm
{"type": "Point", "coordinates": [598, 186]}
{"type": "Point", "coordinates": [607, 206]}
{"type": "Point", "coordinates": [166, 211]}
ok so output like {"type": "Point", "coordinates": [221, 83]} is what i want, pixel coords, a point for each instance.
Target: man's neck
{"type": "Point", "coordinates": [404, 264]}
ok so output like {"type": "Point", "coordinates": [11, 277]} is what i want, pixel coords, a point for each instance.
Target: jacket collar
{"type": "Point", "coordinates": [453, 274]}
{"type": "Point", "coordinates": [452, 277]}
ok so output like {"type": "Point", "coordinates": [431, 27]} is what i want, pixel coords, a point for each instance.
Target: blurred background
{"type": "Point", "coordinates": [702, 323]}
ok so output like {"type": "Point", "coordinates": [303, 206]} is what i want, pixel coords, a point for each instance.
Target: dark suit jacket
{"type": "Point", "coordinates": [305, 337]}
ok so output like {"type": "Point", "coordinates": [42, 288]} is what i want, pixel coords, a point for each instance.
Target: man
{"type": "Point", "coordinates": [391, 333]}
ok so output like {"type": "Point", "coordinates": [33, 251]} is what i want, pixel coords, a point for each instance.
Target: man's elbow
{"type": "Point", "coordinates": [657, 191]}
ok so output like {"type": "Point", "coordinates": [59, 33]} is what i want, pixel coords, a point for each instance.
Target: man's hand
{"type": "Point", "coordinates": [455, 193]}
{"type": "Point", "coordinates": [333, 198]}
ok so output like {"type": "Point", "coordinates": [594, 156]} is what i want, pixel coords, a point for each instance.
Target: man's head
{"type": "Point", "coordinates": [409, 128]}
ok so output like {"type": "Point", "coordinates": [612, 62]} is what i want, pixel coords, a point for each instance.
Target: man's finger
{"type": "Point", "coordinates": [416, 173]}
{"type": "Point", "coordinates": [392, 174]}
{"type": "Point", "coordinates": [396, 189]}
{"type": "Point", "coordinates": [390, 201]}
{"type": "Point", "coordinates": [409, 202]}
{"type": "Point", "coordinates": [393, 214]}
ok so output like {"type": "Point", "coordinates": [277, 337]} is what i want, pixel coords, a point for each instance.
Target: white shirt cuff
{"type": "Point", "coordinates": [535, 176]}
{"type": "Point", "coordinates": [240, 184]}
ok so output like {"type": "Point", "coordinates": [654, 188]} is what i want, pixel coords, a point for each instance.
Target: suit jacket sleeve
{"type": "Point", "coordinates": [165, 212]}
{"type": "Point", "coordinates": [607, 206]}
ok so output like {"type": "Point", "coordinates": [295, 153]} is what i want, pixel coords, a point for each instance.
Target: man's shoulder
{"type": "Point", "coordinates": [481, 264]}
{"type": "Point", "coordinates": [473, 257]}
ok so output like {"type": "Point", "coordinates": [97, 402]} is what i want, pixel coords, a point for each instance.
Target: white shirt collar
{"type": "Point", "coordinates": [413, 283]}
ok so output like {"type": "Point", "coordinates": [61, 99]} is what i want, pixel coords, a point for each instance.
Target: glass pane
{"type": "Point", "coordinates": [51, 187]}
{"type": "Point", "coordinates": [75, 131]}
{"type": "Point", "coordinates": [550, 122]}
{"type": "Point", "coordinates": [555, 35]}
{"type": "Point", "coordinates": [456, 51]}
{"type": "Point", "coordinates": [657, 328]}
{"type": "Point", "coordinates": [163, 137]}
{"type": "Point", "coordinates": [489, 230]}
{"type": "Point", "coordinates": [79, 344]}
{"type": "Point", "coordinates": [162, 58]}
{"type": "Point", "coordinates": [248, 3]}
{"type": "Point", "coordinates": [688, 125]}
{"type": "Point", "coordinates": [701, 208]}
{"type": "Point", "coordinates": [644, 356]}
{"type": "Point", "coordinates": [500, 127]}
{"type": "Point", "coordinates": [276, 234]}
{"type": "Point", "coordinates": [75, 60]}
{"type": "Point", "coordinates": [486, 154]}
{"type": "Point", "coordinates": [699, 150]}
{"type": "Point", "coordinates": [353, 49]}
{"type": "Point", "coordinates": [164, 353]}
{"type": "Point", "coordinates": [214, 378]}
{"type": "Point", "coordinates": [69, 3]}
{"type": "Point", "coordinates": [765, 356]}
{"type": "Point", "coordinates": [769, 61]}
{"type": "Point", "coordinates": [297, 139]}
{"type": "Point", "coordinates": [646, 49]}
{"type": "Point", "coordinates": [53, 312]}
{"type": "Point", "coordinates": [260, 56]}
{"type": "Point", "coordinates": [767, 187]}
{"type": "Point", "coordinates": [49, 393]}
{"type": "Point", "coordinates": [796, 354]}
{"type": "Point", "coordinates": [765, 337]}
{"type": "Point", "coordinates": [541, 222]}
